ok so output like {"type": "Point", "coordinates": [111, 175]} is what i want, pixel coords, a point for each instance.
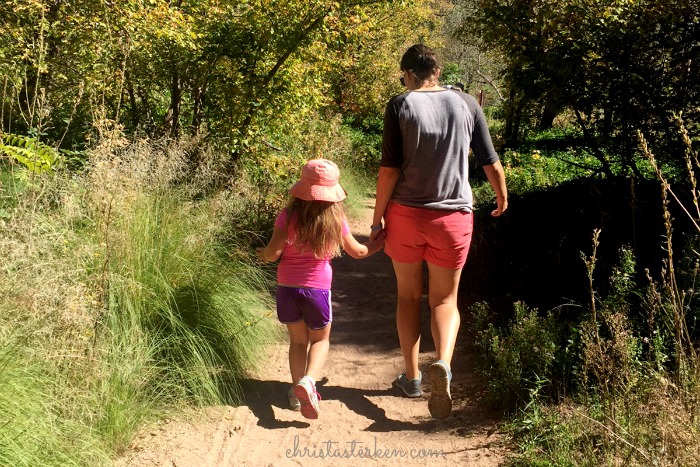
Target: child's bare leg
{"type": "Point", "coordinates": [320, 343]}
{"type": "Point", "coordinates": [298, 346]}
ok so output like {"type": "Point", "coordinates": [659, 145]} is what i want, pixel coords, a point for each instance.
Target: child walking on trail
{"type": "Point", "coordinates": [308, 233]}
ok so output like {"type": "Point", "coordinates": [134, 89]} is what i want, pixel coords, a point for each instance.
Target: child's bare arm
{"type": "Point", "coordinates": [273, 250]}
{"type": "Point", "coordinates": [362, 250]}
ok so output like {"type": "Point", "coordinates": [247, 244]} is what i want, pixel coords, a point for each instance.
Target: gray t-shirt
{"type": "Point", "coordinates": [428, 134]}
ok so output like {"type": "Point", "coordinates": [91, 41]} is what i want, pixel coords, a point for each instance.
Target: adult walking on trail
{"type": "Point", "coordinates": [307, 234]}
{"type": "Point", "coordinates": [425, 200]}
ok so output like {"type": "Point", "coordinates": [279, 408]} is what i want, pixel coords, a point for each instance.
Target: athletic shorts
{"type": "Point", "coordinates": [440, 237]}
{"type": "Point", "coordinates": [295, 304]}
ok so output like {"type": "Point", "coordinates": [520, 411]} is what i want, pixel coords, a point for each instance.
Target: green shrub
{"type": "Point", "coordinates": [518, 358]}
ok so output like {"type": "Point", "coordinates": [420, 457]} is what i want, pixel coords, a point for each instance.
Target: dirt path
{"type": "Point", "coordinates": [363, 420]}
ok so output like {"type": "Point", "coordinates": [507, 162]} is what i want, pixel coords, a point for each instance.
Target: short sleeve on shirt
{"type": "Point", "coordinates": [281, 220]}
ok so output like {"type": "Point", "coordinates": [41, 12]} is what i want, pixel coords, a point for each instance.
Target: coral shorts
{"type": "Point", "coordinates": [440, 237]}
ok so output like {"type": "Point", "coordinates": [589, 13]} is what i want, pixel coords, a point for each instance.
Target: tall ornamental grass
{"type": "Point", "coordinates": [34, 430]}
{"type": "Point", "coordinates": [132, 296]}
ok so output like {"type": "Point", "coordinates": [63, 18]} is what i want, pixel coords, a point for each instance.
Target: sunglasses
{"type": "Point", "coordinates": [401, 79]}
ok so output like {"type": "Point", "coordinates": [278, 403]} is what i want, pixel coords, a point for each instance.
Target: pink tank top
{"type": "Point", "coordinates": [303, 269]}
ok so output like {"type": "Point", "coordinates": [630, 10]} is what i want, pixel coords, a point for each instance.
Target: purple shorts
{"type": "Point", "coordinates": [311, 305]}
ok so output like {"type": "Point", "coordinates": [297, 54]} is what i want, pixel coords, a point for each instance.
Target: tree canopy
{"type": "Point", "coordinates": [69, 68]}
{"type": "Point", "coordinates": [618, 65]}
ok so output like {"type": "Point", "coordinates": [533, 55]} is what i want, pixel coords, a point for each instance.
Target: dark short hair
{"type": "Point", "coordinates": [421, 60]}
{"type": "Point", "coordinates": [458, 85]}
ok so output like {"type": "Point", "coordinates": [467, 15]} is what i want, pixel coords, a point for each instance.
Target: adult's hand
{"type": "Point", "coordinates": [502, 205]}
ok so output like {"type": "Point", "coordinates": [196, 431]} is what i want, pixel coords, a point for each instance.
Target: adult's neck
{"type": "Point", "coordinates": [430, 87]}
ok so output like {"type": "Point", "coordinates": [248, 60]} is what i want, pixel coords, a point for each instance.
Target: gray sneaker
{"type": "Point", "coordinates": [440, 401]}
{"type": "Point", "coordinates": [410, 388]}
{"type": "Point", "coordinates": [294, 403]}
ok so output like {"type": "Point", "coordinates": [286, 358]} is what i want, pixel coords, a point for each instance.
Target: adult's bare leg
{"type": "Point", "coordinates": [443, 284]}
{"type": "Point", "coordinates": [409, 282]}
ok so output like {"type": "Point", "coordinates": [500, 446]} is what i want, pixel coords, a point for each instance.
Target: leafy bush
{"type": "Point", "coordinates": [519, 357]}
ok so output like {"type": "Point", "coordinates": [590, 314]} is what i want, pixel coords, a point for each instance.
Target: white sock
{"type": "Point", "coordinates": [313, 382]}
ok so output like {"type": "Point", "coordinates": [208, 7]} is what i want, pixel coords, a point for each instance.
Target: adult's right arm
{"type": "Point", "coordinates": [386, 182]}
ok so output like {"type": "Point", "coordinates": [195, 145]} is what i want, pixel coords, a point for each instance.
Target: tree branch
{"type": "Point", "coordinates": [490, 82]}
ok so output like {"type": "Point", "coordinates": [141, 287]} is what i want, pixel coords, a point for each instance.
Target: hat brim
{"type": "Point", "coordinates": [307, 192]}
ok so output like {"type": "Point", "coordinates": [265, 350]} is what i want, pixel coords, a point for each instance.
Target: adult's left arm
{"type": "Point", "coordinates": [386, 182]}
{"type": "Point", "coordinates": [497, 179]}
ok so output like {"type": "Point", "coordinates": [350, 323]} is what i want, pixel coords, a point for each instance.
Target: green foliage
{"type": "Point", "coordinates": [519, 357]}
{"type": "Point", "coordinates": [623, 406]}
{"type": "Point", "coordinates": [595, 68]}
{"type": "Point", "coordinates": [649, 427]}
{"type": "Point", "coordinates": [151, 304]}
{"type": "Point", "coordinates": [538, 170]}
{"type": "Point", "coordinates": [366, 149]}
{"type": "Point", "coordinates": [34, 429]}
{"type": "Point", "coordinates": [36, 156]}
{"type": "Point", "coordinates": [236, 71]}
{"type": "Point", "coordinates": [171, 287]}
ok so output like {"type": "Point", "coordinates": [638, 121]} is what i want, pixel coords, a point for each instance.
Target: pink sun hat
{"type": "Point", "coordinates": [319, 182]}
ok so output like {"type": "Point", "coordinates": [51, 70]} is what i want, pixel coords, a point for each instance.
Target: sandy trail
{"type": "Point", "coordinates": [363, 420]}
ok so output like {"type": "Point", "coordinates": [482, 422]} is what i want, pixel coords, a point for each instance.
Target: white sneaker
{"type": "Point", "coordinates": [308, 398]}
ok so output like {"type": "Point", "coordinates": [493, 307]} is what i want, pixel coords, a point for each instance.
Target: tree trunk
{"type": "Point", "coordinates": [513, 111]}
{"type": "Point", "coordinates": [198, 106]}
{"type": "Point", "coordinates": [547, 117]}
{"type": "Point", "coordinates": [172, 118]}
{"type": "Point", "coordinates": [134, 110]}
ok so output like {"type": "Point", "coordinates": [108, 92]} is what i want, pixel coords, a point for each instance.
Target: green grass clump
{"type": "Point", "coordinates": [186, 309]}
{"type": "Point", "coordinates": [128, 279]}
{"type": "Point", "coordinates": [34, 426]}
{"type": "Point", "coordinates": [192, 304]}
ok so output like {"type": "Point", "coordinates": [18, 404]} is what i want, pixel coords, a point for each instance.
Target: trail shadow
{"type": "Point", "coordinates": [364, 293]}
{"type": "Point", "coordinates": [261, 397]}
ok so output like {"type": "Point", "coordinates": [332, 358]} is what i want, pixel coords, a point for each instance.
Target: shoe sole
{"type": "Point", "coordinates": [440, 401]}
{"type": "Point", "coordinates": [308, 408]}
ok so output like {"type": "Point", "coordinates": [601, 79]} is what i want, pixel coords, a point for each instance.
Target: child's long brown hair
{"type": "Point", "coordinates": [319, 226]}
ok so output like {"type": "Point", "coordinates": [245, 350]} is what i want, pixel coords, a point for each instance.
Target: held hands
{"type": "Point", "coordinates": [375, 231]}
{"type": "Point", "coordinates": [377, 243]}
{"type": "Point", "coordinates": [376, 239]}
